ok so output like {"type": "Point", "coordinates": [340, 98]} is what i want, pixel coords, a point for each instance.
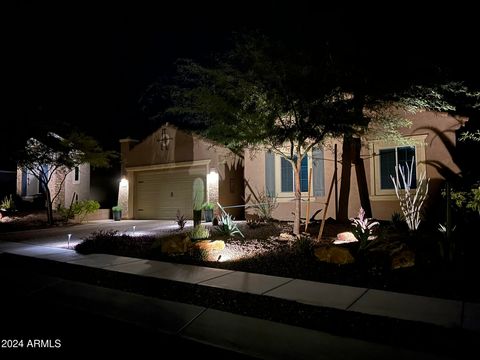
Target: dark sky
{"type": "Point", "coordinates": [88, 64]}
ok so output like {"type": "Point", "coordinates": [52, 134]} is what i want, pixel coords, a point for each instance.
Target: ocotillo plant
{"type": "Point", "coordinates": [410, 201]}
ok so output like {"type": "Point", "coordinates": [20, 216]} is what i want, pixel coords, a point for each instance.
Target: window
{"type": "Point", "coordinates": [390, 158]}
{"type": "Point", "coordinates": [384, 158]}
{"type": "Point", "coordinates": [288, 176]}
{"type": "Point", "coordinates": [76, 175]}
{"type": "Point", "coordinates": [280, 178]}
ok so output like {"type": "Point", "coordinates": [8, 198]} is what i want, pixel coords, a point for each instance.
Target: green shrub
{"type": "Point", "coordinates": [85, 207]}
{"type": "Point", "coordinates": [7, 203]}
{"type": "Point", "coordinates": [79, 208]}
{"type": "Point", "coordinates": [466, 199]}
{"type": "Point", "coordinates": [264, 206]}
{"type": "Point", "coordinates": [208, 206]}
{"type": "Point", "coordinates": [199, 232]}
{"type": "Point", "coordinates": [117, 208]}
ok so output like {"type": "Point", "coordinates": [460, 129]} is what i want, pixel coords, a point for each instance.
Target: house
{"type": "Point", "coordinates": [76, 186]}
{"type": "Point", "coordinates": [157, 175]}
{"type": "Point", "coordinates": [432, 145]}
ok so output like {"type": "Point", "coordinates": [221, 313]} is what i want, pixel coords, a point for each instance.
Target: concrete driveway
{"type": "Point", "coordinates": [58, 236]}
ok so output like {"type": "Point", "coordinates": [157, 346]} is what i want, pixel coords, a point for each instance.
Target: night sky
{"type": "Point", "coordinates": [87, 64]}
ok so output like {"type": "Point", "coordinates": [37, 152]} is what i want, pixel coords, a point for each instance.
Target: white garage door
{"type": "Point", "coordinates": [159, 194]}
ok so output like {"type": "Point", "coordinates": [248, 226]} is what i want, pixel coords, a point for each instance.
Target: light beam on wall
{"type": "Point", "coordinates": [212, 186]}
{"type": "Point", "coordinates": [123, 196]}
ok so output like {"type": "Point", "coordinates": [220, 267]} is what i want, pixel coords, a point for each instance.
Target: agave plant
{"type": "Point", "coordinates": [227, 226]}
{"type": "Point", "coordinates": [363, 228]}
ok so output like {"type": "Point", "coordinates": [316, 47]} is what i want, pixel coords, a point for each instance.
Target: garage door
{"type": "Point", "coordinates": [159, 194]}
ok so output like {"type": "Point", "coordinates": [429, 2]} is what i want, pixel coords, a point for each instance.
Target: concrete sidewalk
{"type": "Point", "coordinates": [236, 332]}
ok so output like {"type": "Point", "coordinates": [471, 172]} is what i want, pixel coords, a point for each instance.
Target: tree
{"type": "Point", "coordinates": [290, 95]}
{"type": "Point", "coordinates": [385, 83]}
{"type": "Point", "coordinates": [262, 95]}
{"type": "Point", "coordinates": [51, 154]}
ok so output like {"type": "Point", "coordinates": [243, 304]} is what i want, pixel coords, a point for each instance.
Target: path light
{"type": "Point", "coordinates": [134, 230]}
{"type": "Point", "coordinates": [68, 243]}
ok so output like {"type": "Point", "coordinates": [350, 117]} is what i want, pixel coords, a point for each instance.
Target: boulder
{"type": "Point", "coordinates": [207, 245]}
{"type": "Point", "coordinates": [334, 255]}
{"type": "Point", "coordinates": [286, 237]}
{"type": "Point", "coordinates": [403, 259]}
{"type": "Point", "coordinates": [345, 238]}
{"type": "Point", "coordinates": [176, 245]}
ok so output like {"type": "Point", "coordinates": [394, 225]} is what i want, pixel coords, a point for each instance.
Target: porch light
{"type": "Point", "coordinates": [123, 182]}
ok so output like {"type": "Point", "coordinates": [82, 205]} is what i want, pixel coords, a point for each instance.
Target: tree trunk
{"type": "Point", "coordinates": [361, 177]}
{"type": "Point", "coordinates": [298, 198]}
{"type": "Point", "coordinates": [49, 205]}
{"type": "Point", "coordinates": [345, 178]}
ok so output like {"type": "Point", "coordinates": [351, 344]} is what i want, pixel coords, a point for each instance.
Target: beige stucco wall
{"type": "Point", "coordinates": [439, 131]}
{"type": "Point", "coordinates": [440, 142]}
{"type": "Point", "coordinates": [255, 175]}
{"type": "Point", "coordinates": [80, 188]}
{"type": "Point", "coordinates": [175, 148]}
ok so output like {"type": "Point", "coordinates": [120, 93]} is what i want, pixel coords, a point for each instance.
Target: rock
{"type": "Point", "coordinates": [208, 245]}
{"type": "Point", "coordinates": [334, 255]}
{"type": "Point", "coordinates": [286, 237]}
{"type": "Point", "coordinates": [403, 259]}
{"type": "Point", "coordinates": [345, 237]}
{"type": "Point", "coordinates": [176, 245]}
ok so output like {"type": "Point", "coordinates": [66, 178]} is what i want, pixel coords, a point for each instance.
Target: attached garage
{"type": "Point", "coordinates": [160, 194]}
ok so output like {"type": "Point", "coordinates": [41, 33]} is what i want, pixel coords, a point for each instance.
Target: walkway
{"type": "Point", "coordinates": [251, 336]}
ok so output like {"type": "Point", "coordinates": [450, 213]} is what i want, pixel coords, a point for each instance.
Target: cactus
{"type": "Point", "coordinates": [198, 194]}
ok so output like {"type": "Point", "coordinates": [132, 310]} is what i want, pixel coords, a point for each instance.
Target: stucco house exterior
{"type": "Point", "coordinates": [76, 186]}
{"type": "Point", "coordinates": [433, 140]}
{"type": "Point", "coordinates": [157, 175]}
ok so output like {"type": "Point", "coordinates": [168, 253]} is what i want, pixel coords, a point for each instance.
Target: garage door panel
{"type": "Point", "coordinates": [159, 194]}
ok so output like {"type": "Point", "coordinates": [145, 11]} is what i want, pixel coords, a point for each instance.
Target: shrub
{"type": "Point", "coordinates": [180, 220]}
{"type": "Point", "coordinates": [85, 207]}
{"type": "Point", "coordinates": [79, 208]}
{"type": "Point", "coordinates": [7, 203]}
{"type": "Point", "coordinates": [304, 244]}
{"type": "Point", "coordinates": [117, 208]}
{"type": "Point", "coordinates": [253, 223]}
{"type": "Point", "coordinates": [398, 221]}
{"type": "Point", "coordinates": [112, 242]}
{"type": "Point", "coordinates": [208, 206]}
{"type": "Point", "coordinates": [363, 228]}
{"type": "Point", "coordinates": [264, 206]}
{"type": "Point", "coordinates": [199, 232]}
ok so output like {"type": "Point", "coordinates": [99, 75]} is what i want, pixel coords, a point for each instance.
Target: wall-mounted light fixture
{"type": "Point", "coordinates": [163, 139]}
{"type": "Point", "coordinates": [123, 181]}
